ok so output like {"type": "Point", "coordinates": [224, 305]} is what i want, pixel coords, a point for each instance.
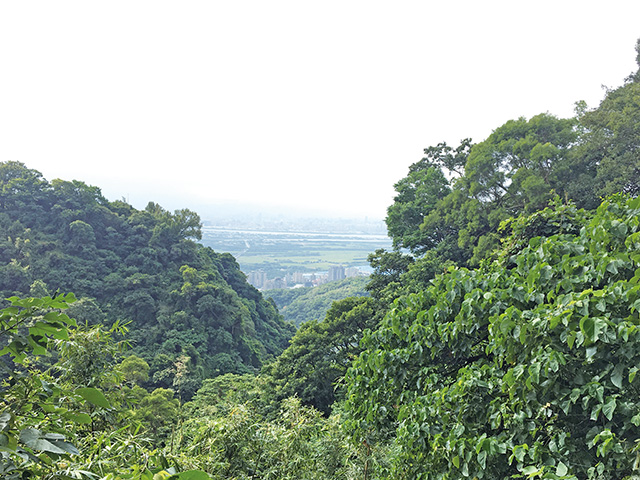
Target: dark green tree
{"type": "Point", "coordinates": [609, 147]}
{"type": "Point", "coordinates": [417, 195]}
{"type": "Point", "coordinates": [135, 370]}
{"type": "Point", "coordinates": [321, 352]}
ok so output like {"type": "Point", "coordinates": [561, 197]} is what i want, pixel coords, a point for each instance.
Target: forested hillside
{"type": "Point", "coordinates": [142, 268]}
{"type": "Point", "coordinates": [500, 339]}
{"type": "Point", "coordinates": [299, 305]}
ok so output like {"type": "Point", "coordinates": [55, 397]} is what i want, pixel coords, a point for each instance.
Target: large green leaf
{"type": "Point", "coordinates": [5, 421]}
{"type": "Point", "coordinates": [48, 442]}
{"type": "Point", "coordinates": [609, 407]}
{"type": "Point", "coordinates": [617, 375]}
{"type": "Point", "coordinates": [94, 396]}
{"type": "Point", "coordinates": [561, 469]}
{"type": "Point", "coordinates": [592, 327]}
{"type": "Point", "coordinates": [81, 418]}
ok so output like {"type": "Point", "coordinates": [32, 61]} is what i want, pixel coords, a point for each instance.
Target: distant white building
{"type": "Point", "coordinates": [258, 278]}
{"type": "Point", "coordinates": [353, 272]}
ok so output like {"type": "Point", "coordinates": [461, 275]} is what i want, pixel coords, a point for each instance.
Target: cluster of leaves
{"type": "Point", "coordinates": [81, 413]}
{"type": "Point", "coordinates": [453, 200]}
{"type": "Point", "coordinates": [139, 267]}
{"type": "Point", "coordinates": [524, 366]}
{"type": "Point", "coordinates": [66, 419]}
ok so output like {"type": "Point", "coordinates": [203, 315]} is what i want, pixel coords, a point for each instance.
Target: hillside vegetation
{"type": "Point", "coordinates": [299, 305]}
{"type": "Point", "coordinates": [142, 268]}
{"type": "Point", "coordinates": [500, 339]}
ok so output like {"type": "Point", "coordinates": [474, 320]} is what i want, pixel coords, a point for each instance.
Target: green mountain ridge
{"type": "Point", "coordinates": [141, 267]}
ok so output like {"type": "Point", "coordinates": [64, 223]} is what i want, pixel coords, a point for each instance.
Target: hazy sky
{"type": "Point", "coordinates": [316, 105]}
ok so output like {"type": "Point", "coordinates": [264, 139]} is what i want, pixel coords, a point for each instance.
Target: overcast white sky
{"type": "Point", "coordinates": [314, 105]}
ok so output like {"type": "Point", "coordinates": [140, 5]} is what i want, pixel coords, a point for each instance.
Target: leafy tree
{"type": "Point", "coordinates": [511, 172]}
{"type": "Point", "coordinates": [241, 444]}
{"type": "Point", "coordinates": [450, 205]}
{"type": "Point", "coordinates": [135, 370]}
{"type": "Point", "coordinates": [158, 412]}
{"type": "Point", "coordinates": [23, 193]}
{"type": "Point", "coordinates": [388, 268]}
{"type": "Point", "coordinates": [87, 357]}
{"type": "Point", "coordinates": [417, 195]}
{"type": "Point", "coordinates": [321, 352]}
{"type": "Point", "coordinates": [81, 235]}
{"type": "Point", "coordinates": [525, 366]}
{"type": "Point", "coordinates": [609, 146]}
{"type": "Point", "coordinates": [218, 396]}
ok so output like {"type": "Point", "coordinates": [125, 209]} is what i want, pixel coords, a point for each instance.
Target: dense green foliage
{"type": "Point", "coordinates": [138, 267]}
{"type": "Point", "coordinates": [524, 365]}
{"type": "Point", "coordinates": [51, 414]}
{"type": "Point", "coordinates": [511, 172]}
{"type": "Point", "coordinates": [230, 435]}
{"type": "Point", "coordinates": [299, 305]}
{"type": "Point", "coordinates": [54, 426]}
{"type": "Point", "coordinates": [607, 160]}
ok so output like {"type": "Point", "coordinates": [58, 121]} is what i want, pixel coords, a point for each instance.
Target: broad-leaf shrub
{"type": "Point", "coordinates": [55, 423]}
{"type": "Point", "coordinates": [524, 367]}
{"type": "Point", "coordinates": [36, 421]}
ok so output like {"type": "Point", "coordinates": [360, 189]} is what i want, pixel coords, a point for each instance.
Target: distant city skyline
{"type": "Point", "coordinates": [312, 108]}
{"type": "Point", "coordinates": [262, 281]}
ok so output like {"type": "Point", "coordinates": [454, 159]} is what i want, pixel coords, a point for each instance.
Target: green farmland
{"type": "Point", "coordinates": [293, 251]}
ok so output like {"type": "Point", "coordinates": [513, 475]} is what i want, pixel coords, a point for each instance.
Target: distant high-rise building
{"type": "Point", "coordinates": [336, 273]}
{"type": "Point", "coordinates": [258, 278]}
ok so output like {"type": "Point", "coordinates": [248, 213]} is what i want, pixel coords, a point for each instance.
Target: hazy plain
{"type": "Point", "coordinates": [289, 251]}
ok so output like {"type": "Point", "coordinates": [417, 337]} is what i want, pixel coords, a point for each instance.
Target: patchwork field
{"type": "Point", "coordinates": [293, 251]}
